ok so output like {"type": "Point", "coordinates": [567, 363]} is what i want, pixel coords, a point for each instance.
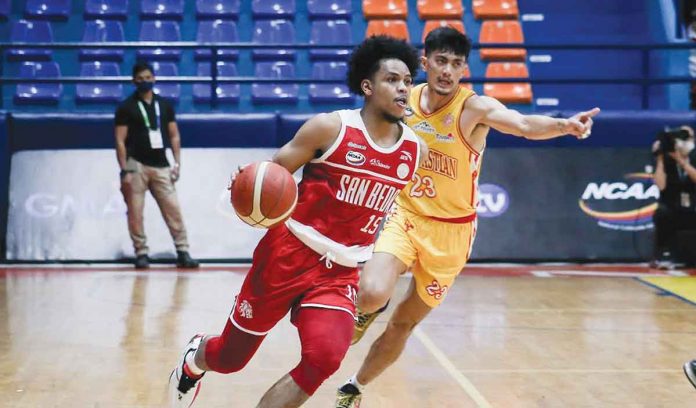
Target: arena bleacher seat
{"type": "Point", "coordinates": [30, 32]}
{"type": "Point", "coordinates": [226, 92]}
{"type": "Point", "coordinates": [327, 32]}
{"type": "Point", "coordinates": [160, 31]}
{"type": "Point", "coordinates": [330, 92]}
{"type": "Point", "coordinates": [39, 93]}
{"type": "Point", "coordinates": [217, 31]}
{"type": "Point", "coordinates": [329, 9]}
{"type": "Point", "coordinates": [102, 31]}
{"type": "Point", "coordinates": [274, 32]}
{"type": "Point", "coordinates": [47, 9]}
{"type": "Point", "coordinates": [439, 9]}
{"type": "Point", "coordinates": [106, 9]}
{"type": "Point", "coordinates": [206, 9]}
{"type": "Point", "coordinates": [275, 93]}
{"type": "Point", "coordinates": [99, 92]}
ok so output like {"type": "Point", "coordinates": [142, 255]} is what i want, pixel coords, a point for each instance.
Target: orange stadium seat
{"type": "Point", "coordinates": [502, 31]}
{"type": "Point", "coordinates": [518, 92]}
{"type": "Point", "coordinates": [488, 9]}
{"type": "Point", "coordinates": [467, 74]}
{"type": "Point", "coordinates": [430, 25]}
{"type": "Point", "coordinates": [393, 28]}
{"type": "Point", "coordinates": [385, 9]}
{"type": "Point", "coordinates": [428, 9]}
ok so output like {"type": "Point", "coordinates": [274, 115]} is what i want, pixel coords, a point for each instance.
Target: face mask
{"type": "Point", "coordinates": [684, 146]}
{"type": "Point", "coordinates": [144, 86]}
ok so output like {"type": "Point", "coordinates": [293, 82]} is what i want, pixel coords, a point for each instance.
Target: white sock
{"type": "Point", "coordinates": [354, 380]}
{"type": "Point", "coordinates": [190, 361]}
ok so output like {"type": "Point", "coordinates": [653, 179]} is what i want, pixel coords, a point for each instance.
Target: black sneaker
{"type": "Point", "coordinates": [184, 260]}
{"type": "Point", "coordinates": [690, 371]}
{"type": "Point", "coordinates": [142, 262]}
{"type": "Point", "coordinates": [348, 396]}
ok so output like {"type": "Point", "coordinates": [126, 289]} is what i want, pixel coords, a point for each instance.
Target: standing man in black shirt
{"type": "Point", "coordinates": [143, 122]}
{"type": "Point", "coordinates": [675, 176]}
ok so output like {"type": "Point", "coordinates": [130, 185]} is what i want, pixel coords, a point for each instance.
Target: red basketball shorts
{"type": "Point", "coordinates": [286, 275]}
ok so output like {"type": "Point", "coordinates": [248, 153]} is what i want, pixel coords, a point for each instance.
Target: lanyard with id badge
{"type": "Point", "coordinates": [155, 135]}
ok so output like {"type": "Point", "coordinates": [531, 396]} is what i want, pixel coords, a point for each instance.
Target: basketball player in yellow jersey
{"type": "Point", "coordinates": [433, 227]}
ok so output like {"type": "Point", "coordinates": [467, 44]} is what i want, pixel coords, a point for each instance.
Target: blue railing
{"type": "Point", "coordinates": [645, 80]}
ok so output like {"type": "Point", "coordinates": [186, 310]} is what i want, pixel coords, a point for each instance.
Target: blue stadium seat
{"type": "Point", "coordinates": [39, 93]}
{"type": "Point", "coordinates": [217, 31]}
{"type": "Point", "coordinates": [226, 92]}
{"type": "Point", "coordinates": [326, 92]}
{"type": "Point", "coordinates": [167, 90]}
{"type": "Point", "coordinates": [106, 9]}
{"type": "Point", "coordinates": [275, 93]}
{"type": "Point", "coordinates": [162, 9]}
{"type": "Point", "coordinates": [31, 32]}
{"type": "Point", "coordinates": [101, 92]}
{"type": "Point", "coordinates": [102, 31]}
{"type": "Point", "coordinates": [325, 32]}
{"type": "Point", "coordinates": [5, 9]}
{"type": "Point", "coordinates": [159, 31]}
{"type": "Point", "coordinates": [274, 31]}
{"type": "Point", "coordinates": [217, 9]}
{"type": "Point", "coordinates": [47, 9]}
{"type": "Point", "coordinates": [273, 8]}
{"type": "Point", "coordinates": [587, 96]}
{"type": "Point", "coordinates": [329, 9]}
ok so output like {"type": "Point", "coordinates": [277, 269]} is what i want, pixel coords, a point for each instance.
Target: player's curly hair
{"type": "Point", "coordinates": [366, 57]}
{"type": "Point", "coordinates": [447, 39]}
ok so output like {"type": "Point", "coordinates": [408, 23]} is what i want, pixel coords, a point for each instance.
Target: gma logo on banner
{"type": "Point", "coordinates": [636, 199]}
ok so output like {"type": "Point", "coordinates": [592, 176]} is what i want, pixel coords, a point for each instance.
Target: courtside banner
{"type": "Point", "coordinates": [566, 203]}
{"type": "Point", "coordinates": [538, 203]}
{"type": "Point", "coordinates": [67, 205]}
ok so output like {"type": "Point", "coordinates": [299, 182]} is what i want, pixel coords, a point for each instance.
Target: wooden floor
{"type": "Point", "coordinates": [507, 336]}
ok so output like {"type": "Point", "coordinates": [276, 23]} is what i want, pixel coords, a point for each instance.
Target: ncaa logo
{"type": "Point", "coordinates": [493, 201]}
{"type": "Point", "coordinates": [355, 158]}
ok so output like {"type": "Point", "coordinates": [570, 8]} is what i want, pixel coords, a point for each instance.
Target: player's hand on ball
{"type": "Point", "coordinates": [233, 177]}
{"type": "Point", "coordinates": [580, 125]}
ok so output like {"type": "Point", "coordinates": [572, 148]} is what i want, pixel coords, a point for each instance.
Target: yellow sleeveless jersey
{"type": "Point", "coordinates": [446, 184]}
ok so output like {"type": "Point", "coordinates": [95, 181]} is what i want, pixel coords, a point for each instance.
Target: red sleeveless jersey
{"type": "Point", "coordinates": [345, 193]}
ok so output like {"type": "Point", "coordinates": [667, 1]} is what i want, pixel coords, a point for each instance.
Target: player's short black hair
{"type": "Point", "coordinates": [449, 40]}
{"type": "Point", "coordinates": [366, 57]}
{"type": "Point", "coordinates": [141, 66]}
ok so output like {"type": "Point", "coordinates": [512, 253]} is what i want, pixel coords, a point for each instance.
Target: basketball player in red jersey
{"type": "Point", "coordinates": [356, 162]}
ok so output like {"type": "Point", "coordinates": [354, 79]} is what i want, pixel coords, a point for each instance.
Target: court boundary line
{"type": "Point", "coordinates": [652, 285]}
{"type": "Point", "coordinates": [451, 369]}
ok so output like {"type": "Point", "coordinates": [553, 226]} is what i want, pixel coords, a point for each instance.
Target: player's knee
{"type": "Point", "coordinates": [318, 364]}
{"type": "Point", "coordinates": [372, 297]}
{"type": "Point", "coordinates": [223, 357]}
{"type": "Point", "coordinates": [401, 328]}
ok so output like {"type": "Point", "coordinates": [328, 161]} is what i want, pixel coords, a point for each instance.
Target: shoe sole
{"type": "Point", "coordinates": [690, 373]}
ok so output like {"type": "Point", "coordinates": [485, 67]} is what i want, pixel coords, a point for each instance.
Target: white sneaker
{"type": "Point", "coordinates": [183, 389]}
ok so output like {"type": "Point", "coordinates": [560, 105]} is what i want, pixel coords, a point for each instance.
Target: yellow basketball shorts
{"type": "Point", "coordinates": [436, 250]}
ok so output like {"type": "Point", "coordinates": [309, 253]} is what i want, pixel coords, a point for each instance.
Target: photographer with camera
{"type": "Point", "coordinates": [675, 176]}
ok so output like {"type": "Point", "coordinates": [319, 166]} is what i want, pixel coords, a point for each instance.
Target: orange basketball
{"type": "Point", "coordinates": [264, 194]}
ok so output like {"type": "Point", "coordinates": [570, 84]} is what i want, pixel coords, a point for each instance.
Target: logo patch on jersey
{"type": "Point", "coordinates": [357, 146]}
{"type": "Point", "coordinates": [378, 163]}
{"type": "Point", "coordinates": [441, 163]}
{"type": "Point", "coordinates": [402, 170]}
{"type": "Point", "coordinates": [424, 127]}
{"type": "Point", "coordinates": [245, 310]}
{"type": "Point", "coordinates": [406, 156]}
{"type": "Point", "coordinates": [408, 111]}
{"type": "Point", "coordinates": [448, 120]}
{"type": "Point", "coordinates": [448, 138]}
{"type": "Point", "coordinates": [355, 158]}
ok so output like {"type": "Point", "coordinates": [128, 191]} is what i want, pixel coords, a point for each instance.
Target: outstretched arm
{"type": "Point", "coordinates": [492, 113]}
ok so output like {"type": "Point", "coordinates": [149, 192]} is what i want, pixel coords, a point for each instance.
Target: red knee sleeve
{"type": "Point", "coordinates": [232, 350]}
{"type": "Point", "coordinates": [325, 336]}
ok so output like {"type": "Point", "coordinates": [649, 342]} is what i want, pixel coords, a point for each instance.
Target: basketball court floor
{"type": "Point", "coordinates": [507, 336]}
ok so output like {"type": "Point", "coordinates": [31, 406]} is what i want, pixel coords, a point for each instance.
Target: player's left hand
{"type": "Point", "coordinates": [581, 123]}
{"type": "Point", "coordinates": [233, 177]}
{"type": "Point", "coordinates": [175, 173]}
